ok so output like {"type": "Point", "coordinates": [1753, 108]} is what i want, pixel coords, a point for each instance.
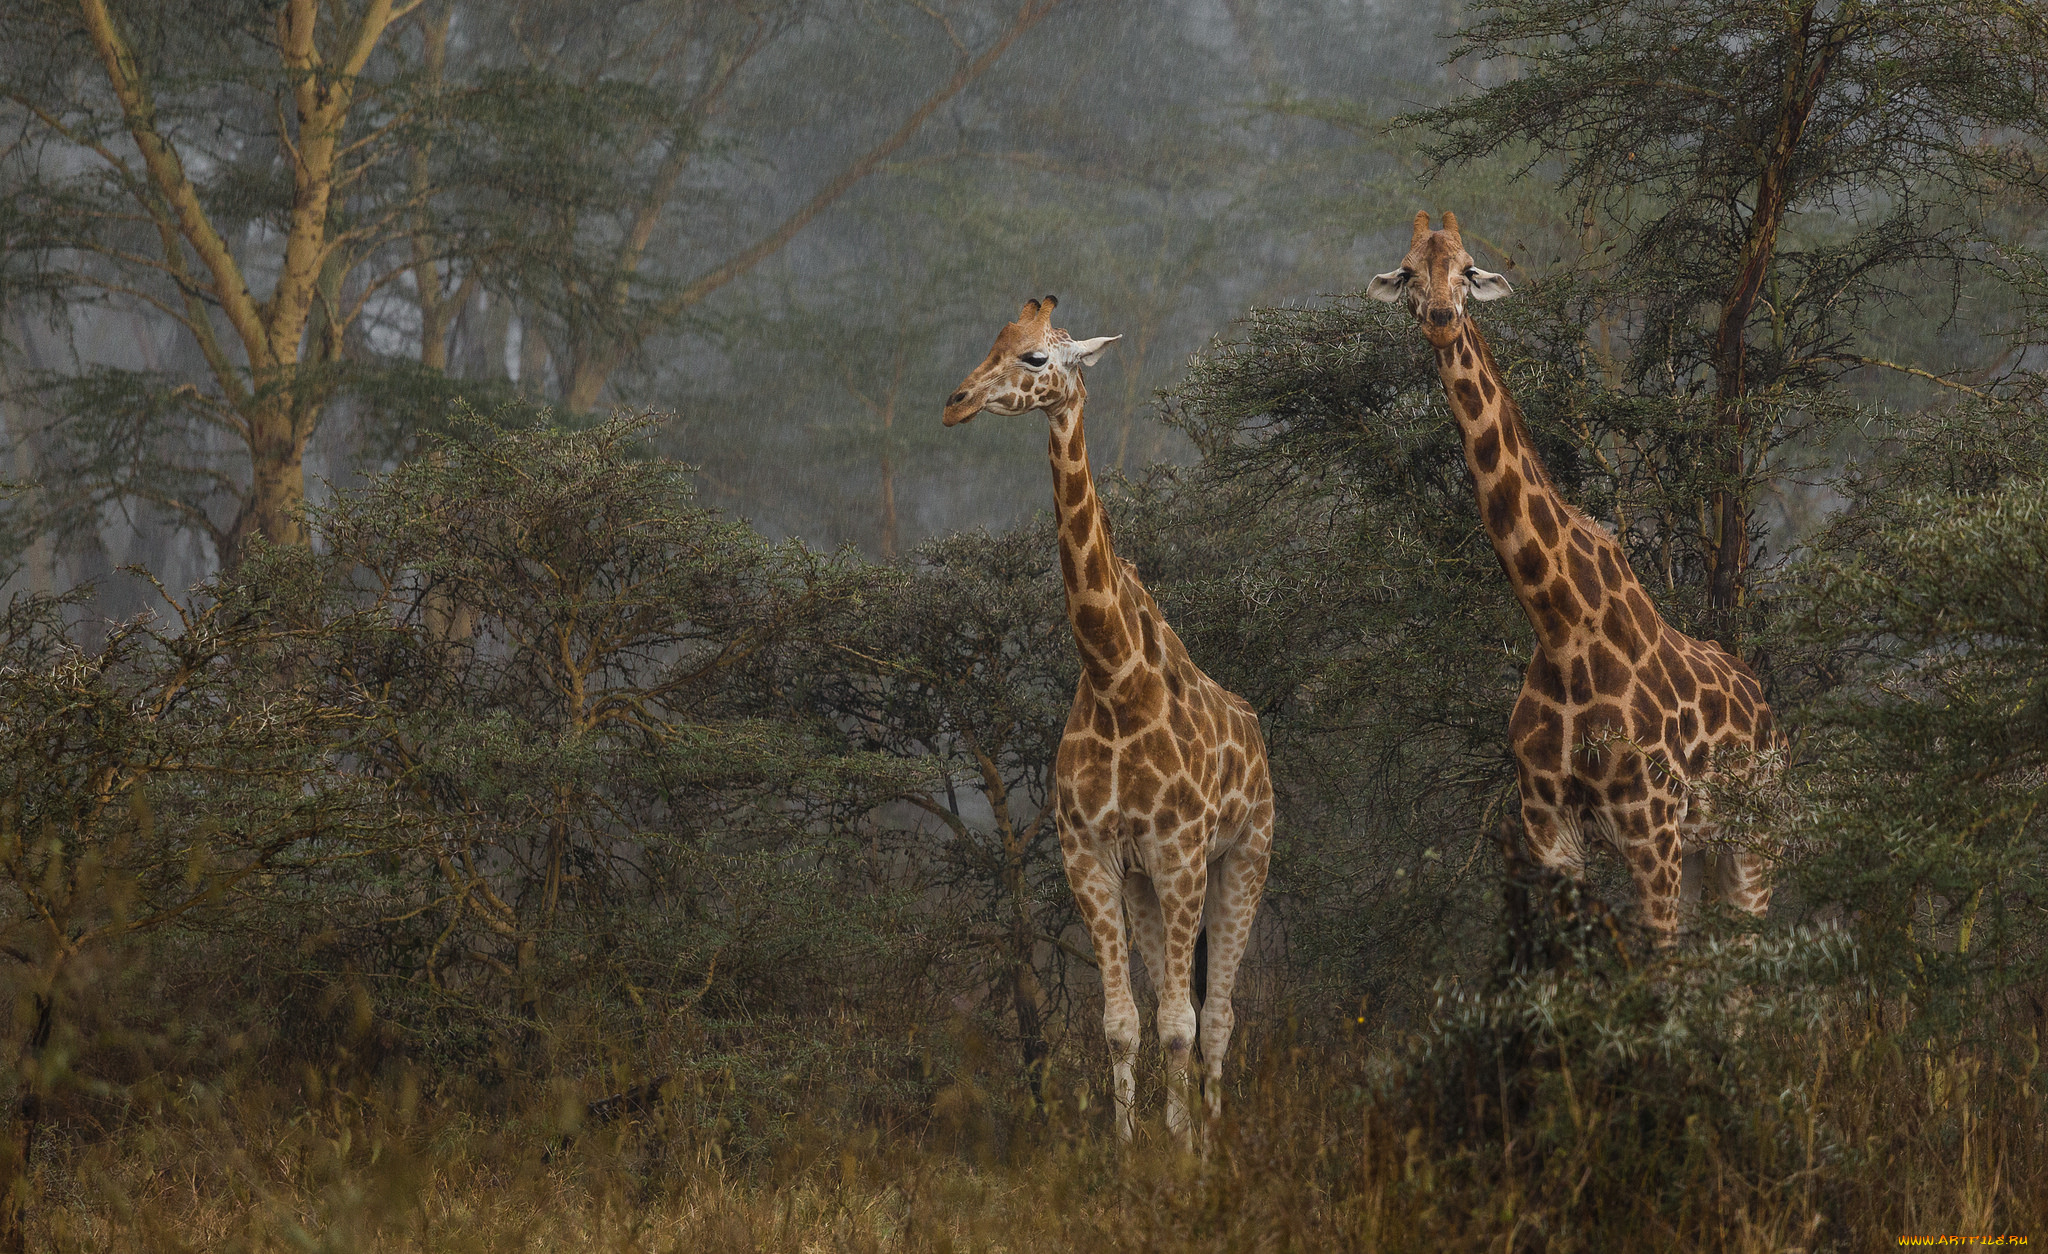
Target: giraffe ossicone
{"type": "Point", "coordinates": [1622, 720]}
{"type": "Point", "coordinates": [1162, 798]}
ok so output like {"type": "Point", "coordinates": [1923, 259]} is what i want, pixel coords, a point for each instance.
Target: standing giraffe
{"type": "Point", "coordinates": [1622, 717]}
{"type": "Point", "coordinates": [1163, 802]}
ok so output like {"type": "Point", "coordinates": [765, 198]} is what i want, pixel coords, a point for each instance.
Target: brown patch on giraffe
{"type": "Point", "coordinates": [1585, 577]}
{"type": "Point", "coordinates": [1646, 716]}
{"type": "Point", "coordinates": [1486, 387]}
{"type": "Point", "coordinates": [1581, 541]}
{"type": "Point", "coordinates": [1465, 400]}
{"type": "Point", "coordinates": [1598, 723]}
{"type": "Point", "coordinates": [1651, 676]}
{"type": "Point", "coordinates": [1646, 617]}
{"type": "Point", "coordinates": [1577, 794]}
{"type": "Point", "coordinates": [1486, 450]}
{"type": "Point", "coordinates": [1581, 681]}
{"type": "Point", "coordinates": [1504, 503]}
{"type": "Point", "coordinates": [1545, 678]}
{"type": "Point", "coordinates": [1702, 668]}
{"type": "Point", "coordinates": [1566, 601]}
{"type": "Point", "coordinates": [1096, 562]}
{"type": "Point", "coordinates": [1713, 710]}
{"type": "Point", "coordinates": [1620, 628]}
{"type": "Point", "coordinates": [1628, 786]}
{"type": "Point", "coordinates": [1543, 519]}
{"type": "Point", "coordinates": [1538, 735]}
{"type": "Point", "coordinates": [1610, 677]}
{"type": "Point", "coordinates": [1680, 674]}
{"type": "Point", "coordinates": [1091, 787]}
{"type": "Point", "coordinates": [1531, 563]}
{"type": "Point", "coordinates": [1143, 700]}
{"type": "Point", "coordinates": [1078, 488]}
{"type": "Point", "coordinates": [1511, 440]}
{"type": "Point", "coordinates": [1138, 790]}
{"type": "Point", "coordinates": [1610, 567]}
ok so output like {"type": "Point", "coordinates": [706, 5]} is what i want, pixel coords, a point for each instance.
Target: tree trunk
{"type": "Point", "coordinates": [277, 485]}
{"type": "Point", "coordinates": [15, 1174]}
{"type": "Point", "coordinates": [1729, 549]}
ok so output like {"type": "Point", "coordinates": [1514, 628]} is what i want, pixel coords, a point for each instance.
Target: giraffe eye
{"type": "Point", "coordinates": [1034, 360]}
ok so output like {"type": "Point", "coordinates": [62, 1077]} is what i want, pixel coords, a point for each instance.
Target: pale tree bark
{"type": "Point", "coordinates": [440, 294]}
{"type": "Point", "coordinates": [267, 405]}
{"type": "Point", "coordinates": [1728, 547]}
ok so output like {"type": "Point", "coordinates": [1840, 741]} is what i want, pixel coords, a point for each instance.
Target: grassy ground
{"type": "Point", "coordinates": [1318, 1152]}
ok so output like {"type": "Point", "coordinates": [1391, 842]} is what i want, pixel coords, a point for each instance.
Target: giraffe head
{"type": "Point", "coordinates": [1437, 277]}
{"type": "Point", "coordinates": [1033, 366]}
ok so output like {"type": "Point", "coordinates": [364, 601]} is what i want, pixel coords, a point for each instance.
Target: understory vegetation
{"type": "Point", "coordinates": [548, 858]}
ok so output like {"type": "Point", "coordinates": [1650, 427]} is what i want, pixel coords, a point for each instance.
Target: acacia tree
{"type": "Point", "coordinates": [966, 662]}
{"type": "Point", "coordinates": [181, 778]}
{"type": "Point", "coordinates": [583, 701]}
{"type": "Point", "coordinates": [1771, 168]}
{"type": "Point", "coordinates": [224, 169]}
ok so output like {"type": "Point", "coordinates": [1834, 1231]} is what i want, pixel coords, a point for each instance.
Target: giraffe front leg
{"type": "Point", "coordinates": [1098, 893]}
{"type": "Point", "coordinates": [1551, 841]}
{"type": "Point", "coordinates": [1742, 878]}
{"type": "Point", "coordinates": [1235, 885]}
{"type": "Point", "coordinates": [1180, 908]}
{"type": "Point", "coordinates": [1654, 864]}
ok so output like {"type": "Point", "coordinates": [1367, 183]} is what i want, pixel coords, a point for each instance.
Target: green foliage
{"type": "Point", "coordinates": [588, 705]}
{"type": "Point", "coordinates": [1926, 826]}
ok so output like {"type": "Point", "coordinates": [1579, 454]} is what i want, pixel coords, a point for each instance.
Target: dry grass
{"type": "Point", "coordinates": [1315, 1154]}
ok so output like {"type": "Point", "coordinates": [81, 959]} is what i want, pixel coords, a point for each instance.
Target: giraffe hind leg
{"type": "Point", "coordinates": [1742, 878]}
{"type": "Point", "coordinates": [1180, 910]}
{"type": "Point", "coordinates": [1098, 893]}
{"type": "Point", "coordinates": [1236, 883]}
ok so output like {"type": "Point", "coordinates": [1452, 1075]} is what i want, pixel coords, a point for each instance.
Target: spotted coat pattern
{"type": "Point", "coordinates": [1163, 801]}
{"type": "Point", "coordinates": [1621, 717]}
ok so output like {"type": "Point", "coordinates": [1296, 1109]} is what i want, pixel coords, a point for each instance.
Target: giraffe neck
{"type": "Point", "coordinates": [1563, 568]}
{"type": "Point", "coordinates": [1088, 564]}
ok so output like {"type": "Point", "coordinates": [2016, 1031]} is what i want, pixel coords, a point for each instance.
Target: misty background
{"type": "Point", "coordinates": [1161, 167]}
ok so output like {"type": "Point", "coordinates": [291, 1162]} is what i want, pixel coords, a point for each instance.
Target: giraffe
{"type": "Point", "coordinates": [1621, 717]}
{"type": "Point", "coordinates": [1162, 798]}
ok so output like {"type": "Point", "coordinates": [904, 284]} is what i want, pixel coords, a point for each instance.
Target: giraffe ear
{"type": "Point", "coordinates": [1088, 352]}
{"type": "Point", "coordinates": [1484, 284]}
{"type": "Point", "coordinates": [1387, 287]}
